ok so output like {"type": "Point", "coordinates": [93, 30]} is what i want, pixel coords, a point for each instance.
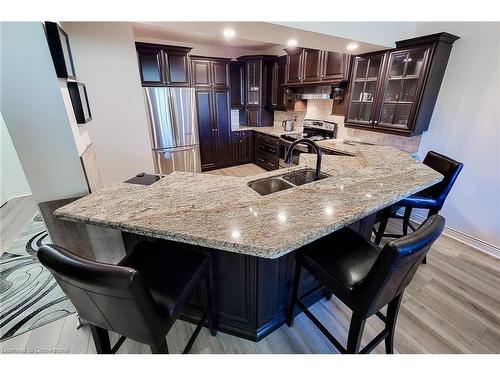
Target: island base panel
{"type": "Point", "coordinates": [251, 293]}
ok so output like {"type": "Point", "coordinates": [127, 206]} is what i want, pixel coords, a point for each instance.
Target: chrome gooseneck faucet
{"type": "Point", "coordinates": [288, 156]}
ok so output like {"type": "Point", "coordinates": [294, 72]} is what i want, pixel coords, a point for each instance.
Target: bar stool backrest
{"type": "Point", "coordinates": [449, 168]}
{"type": "Point", "coordinates": [111, 297]}
{"type": "Point", "coordinates": [396, 265]}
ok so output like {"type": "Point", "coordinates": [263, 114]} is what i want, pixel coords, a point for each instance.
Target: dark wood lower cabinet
{"type": "Point", "coordinates": [242, 147]}
{"type": "Point", "coordinates": [251, 293]}
{"type": "Point", "coordinates": [267, 151]}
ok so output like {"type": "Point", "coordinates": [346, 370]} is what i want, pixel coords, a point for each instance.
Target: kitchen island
{"type": "Point", "coordinates": [251, 238]}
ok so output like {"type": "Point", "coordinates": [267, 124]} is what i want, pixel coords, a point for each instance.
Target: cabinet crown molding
{"type": "Point", "coordinates": [438, 37]}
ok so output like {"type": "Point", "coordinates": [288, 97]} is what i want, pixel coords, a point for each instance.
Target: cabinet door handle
{"type": "Point", "coordinates": [375, 122]}
{"type": "Point", "coordinates": [371, 122]}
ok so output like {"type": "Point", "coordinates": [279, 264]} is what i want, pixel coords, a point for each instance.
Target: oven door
{"type": "Point", "coordinates": [284, 145]}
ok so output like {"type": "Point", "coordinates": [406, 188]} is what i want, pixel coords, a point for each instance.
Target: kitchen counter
{"type": "Point", "coordinates": [276, 131]}
{"type": "Point", "coordinates": [335, 145]}
{"type": "Point", "coordinates": [223, 213]}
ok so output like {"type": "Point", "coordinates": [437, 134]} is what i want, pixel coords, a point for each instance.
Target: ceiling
{"type": "Point", "coordinates": [252, 36]}
{"type": "Point", "coordinates": [178, 33]}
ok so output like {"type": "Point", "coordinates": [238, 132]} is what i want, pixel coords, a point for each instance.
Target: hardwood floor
{"type": "Point", "coordinates": [239, 170]}
{"type": "Point", "coordinates": [451, 306]}
{"type": "Point", "coordinates": [14, 216]}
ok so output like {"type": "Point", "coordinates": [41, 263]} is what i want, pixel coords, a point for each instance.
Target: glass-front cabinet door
{"type": "Point", "coordinates": [254, 83]}
{"type": "Point", "coordinates": [405, 70]}
{"type": "Point", "coordinates": [365, 81]}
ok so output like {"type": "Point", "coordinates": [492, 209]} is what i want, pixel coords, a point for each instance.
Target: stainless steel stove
{"type": "Point", "coordinates": [315, 130]}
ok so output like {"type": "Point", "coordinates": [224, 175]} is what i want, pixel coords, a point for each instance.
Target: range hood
{"type": "Point", "coordinates": [305, 92]}
{"type": "Point", "coordinates": [312, 92]}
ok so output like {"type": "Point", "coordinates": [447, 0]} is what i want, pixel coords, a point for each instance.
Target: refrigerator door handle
{"type": "Point", "coordinates": [185, 159]}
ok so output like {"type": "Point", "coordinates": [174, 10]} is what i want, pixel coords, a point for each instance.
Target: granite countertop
{"type": "Point", "coordinates": [224, 213]}
{"type": "Point", "coordinates": [276, 131]}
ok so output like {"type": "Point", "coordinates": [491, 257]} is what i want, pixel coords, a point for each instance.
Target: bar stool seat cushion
{"type": "Point", "coordinates": [171, 274]}
{"type": "Point", "coordinates": [341, 260]}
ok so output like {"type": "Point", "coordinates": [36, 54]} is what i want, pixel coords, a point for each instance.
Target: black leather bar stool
{"type": "Point", "coordinates": [140, 298]}
{"type": "Point", "coordinates": [364, 278]}
{"type": "Point", "coordinates": [431, 198]}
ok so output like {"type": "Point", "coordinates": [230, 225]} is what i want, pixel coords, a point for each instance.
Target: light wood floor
{"type": "Point", "coordinates": [451, 306]}
{"type": "Point", "coordinates": [14, 216]}
{"type": "Point", "coordinates": [239, 170]}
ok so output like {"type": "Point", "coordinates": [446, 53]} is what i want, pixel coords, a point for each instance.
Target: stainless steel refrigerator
{"type": "Point", "coordinates": [174, 128]}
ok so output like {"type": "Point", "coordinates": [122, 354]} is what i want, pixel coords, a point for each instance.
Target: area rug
{"type": "Point", "coordinates": [29, 295]}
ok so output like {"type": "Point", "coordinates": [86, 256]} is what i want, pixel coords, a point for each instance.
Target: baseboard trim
{"type": "Point", "coordinates": [465, 238]}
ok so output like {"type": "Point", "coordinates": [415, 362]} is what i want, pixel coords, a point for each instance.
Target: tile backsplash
{"type": "Point", "coordinates": [235, 119]}
{"type": "Point", "coordinates": [320, 109]}
{"type": "Point", "coordinates": [280, 116]}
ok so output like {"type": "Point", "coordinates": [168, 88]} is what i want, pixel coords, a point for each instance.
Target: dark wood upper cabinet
{"type": "Point", "coordinates": [294, 65]}
{"type": "Point", "coordinates": [275, 88]}
{"type": "Point", "coordinates": [210, 72]}
{"type": "Point", "coordinates": [220, 74]}
{"type": "Point", "coordinates": [401, 89]}
{"type": "Point", "coordinates": [237, 84]}
{"type": "Point", "coordinates": [335, 66]}
{"type": "Point", "coordinates": [312, 65]}
{"type": "Point", "coordinates": [395, 91]}
{"type": "Point", "coordinates": [306, 66]}
{"type": "Point", "coordinates": [253, 116]}
{"type": "Point", "coordinates": [365, 85]}
{"type": "Point", "coordinates": [254, 83]}
{"type": "Point", "coordinates": [255, 112]}
{"type": "Point", "coordinates": [161, 65]}
{"type": "Point", "coordinates": [200, 70]}
{"type": "Point", "coordinates": [150, 66]}
{"type": "Point", "coordinates": [178, 70]}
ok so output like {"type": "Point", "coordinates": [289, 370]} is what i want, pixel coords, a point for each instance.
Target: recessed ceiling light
{"type": "Point", "coordinates": [229, 33]}
{"type": "Point", "coordinates": [352, 46]}
{"type": "Point", "coordinates": [291, 43]}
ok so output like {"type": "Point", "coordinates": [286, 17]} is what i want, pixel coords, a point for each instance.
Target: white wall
{"type": "Point", "coordinates": [34, 112]}
{"type": "Point", "coordinates": [105, 60]}
{"type": "Point", "coordinates": [12, 180]}
{"type": "Point", "coordinates": [465, 126]}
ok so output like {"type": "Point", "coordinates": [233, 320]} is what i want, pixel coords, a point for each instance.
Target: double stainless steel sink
{"type": "Point", "coordinates": [284, 181]}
